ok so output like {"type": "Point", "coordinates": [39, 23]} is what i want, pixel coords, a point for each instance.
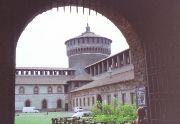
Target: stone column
{"type": "Point", "coordinates": [107, 64]}
{"type": "Point", "coordinates": [90, 70]}
{"type": "Point", "coordinates": [94, 70]}
{"type": "Point", "coordinates": [98, 69]}
{"type": "Point", "coordinates": [112, 63]}
{"type": "Point", "coordinates": [102, 66]}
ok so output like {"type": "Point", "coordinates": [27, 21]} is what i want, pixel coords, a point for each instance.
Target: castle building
{"type": "Point", "coordinates": [92, 75]}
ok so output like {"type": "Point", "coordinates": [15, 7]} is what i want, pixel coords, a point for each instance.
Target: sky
{"type": "Point", "coordinates": [41, 44]}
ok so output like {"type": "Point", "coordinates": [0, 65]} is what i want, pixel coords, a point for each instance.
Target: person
{"type": "Point", "coordinates": [141, 113]}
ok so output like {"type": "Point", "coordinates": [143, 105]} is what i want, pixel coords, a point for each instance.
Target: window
{"type": "Point", "coordinates": [76, 101]}
{"type": "Point", "coordinates": [108, 99]}
{"type": "Point", "coordinates": [59, 103]}
{"type": "Point", "coordinates": [133, 98]}
{"type": "Point", "coordinates": [99, 98]}
{"type": "Point", "coordinates": [123, 98]}
{"type": "Point", "coordinates": [59, 89]}
{"type": "Point", "coordinates": [88, 101]}
{"type": "Point", "coordinates": [80, 102]}
{"type": "Point", "coordinates": [44, 104]}
{"type": "Point", "coordinates": [27, 103]}
{"type": "Point", "coordinates": [21, 90]}
{"type": "Point", "coordinates": [84, 101]}
{"type": "Point", "coordinates": [76, 84]}
{"type": "Point", "coordinates": [93, 100]}
{"type": "Point", "coordinates": [50, 90]}
{"type": "Point", "coordinates": [116, 96]}
{"type": "Point", "coordinates": [36, 90]}
{"type": "Point", "coordinates": [73, 103]}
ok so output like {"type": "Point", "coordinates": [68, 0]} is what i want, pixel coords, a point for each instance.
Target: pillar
{"type": "Point", "coordinates": [7, 68]}
{"type": "Point", "coordinates": [118, 61]}
{"type": "Point", "coordinates": [130, 59]}
{"type": "Point", "coordinates": [124, 59]}
{"type": "Point", "coordinates": [98, 68]}
{"type": "Point", "coordinates": [102, 66]}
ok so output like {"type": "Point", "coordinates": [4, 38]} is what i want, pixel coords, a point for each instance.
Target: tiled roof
{"type": "Point", "coordinates": [42, 79]}
{"type": "Point", "coordinates": [117, 78]}
{"type": "Point", "coordinates": [43, 68]}
{"type": "Point", "coordinates": [83, 76]}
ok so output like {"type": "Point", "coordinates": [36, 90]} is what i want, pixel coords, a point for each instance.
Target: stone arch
{"type": "Point", "coordinates": [50, 89]}
{"type": "Point", "coordinates": [44, 104]}
{"type": "Point", "coordinates": [125, 27]}
{"type": "Point", "coordinates": [21, 90]}
{"type": "Point", "coordinates": [27, 103]}
{"type": "Point", "coordinates": [59, 103]}
{"type": "Point", "coordinates": [99, 98]}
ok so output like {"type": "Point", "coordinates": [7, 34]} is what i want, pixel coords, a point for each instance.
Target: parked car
{"type": "Point", "coordinates": [78, 109]}
{"type": "Point", "coordinates": [30, 110]}
{"type": "Point", "coordinates": [82, 114]}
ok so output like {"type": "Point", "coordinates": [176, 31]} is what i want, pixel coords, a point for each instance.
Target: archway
{"type": "Point", "coordinates": [158, 28]}
{"type": "Point", "coordinates": [59, 103]}
{"type": "Point", "coordinates": [138, 80]}
{"type": "Point", "coordinates": [44, 104]}
{"type": "Point", "coordinates": [27, 103]}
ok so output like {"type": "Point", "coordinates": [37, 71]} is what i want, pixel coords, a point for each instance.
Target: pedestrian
{"type": "Point", "coordinates": [141, 113]}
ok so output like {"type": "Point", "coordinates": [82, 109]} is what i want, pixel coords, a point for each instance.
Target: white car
{"type": "Point", "coordinates": [30, 110]}
{"type": "Point", "coordinates": [78, 109]}
{"type": "Point", "coordinates": [82, 114]}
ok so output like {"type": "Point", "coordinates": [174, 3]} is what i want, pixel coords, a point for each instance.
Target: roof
{"type": "Point", "coordinates": [43, 68]}
{"type": "Point", "coordinates": [88, 33]}
{"type": "Point", "coordinates": [82, 77]}
{"type": "Point", "coordinates": [117, 78]}
{"type": "Point", "coordinates": [42, 79]}
{"type": "Point", "coordinates": [107, 58]}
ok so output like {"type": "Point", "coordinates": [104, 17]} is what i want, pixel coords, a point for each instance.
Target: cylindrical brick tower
{"type": "Point", "coordinates": [87, 49]}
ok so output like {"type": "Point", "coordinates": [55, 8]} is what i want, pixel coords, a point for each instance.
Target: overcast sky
{"type": "Point", "coordinates": [42, 42]}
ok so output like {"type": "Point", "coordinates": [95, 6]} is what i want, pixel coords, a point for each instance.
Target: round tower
{"type": "Point", "coordinates": [87, 49]}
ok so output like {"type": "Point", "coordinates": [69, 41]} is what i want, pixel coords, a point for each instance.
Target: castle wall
{"type": "Point", "coordinates": [80, 61]}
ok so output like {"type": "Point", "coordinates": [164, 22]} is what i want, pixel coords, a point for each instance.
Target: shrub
{"type": "Point", "coordinates": [114, 113]}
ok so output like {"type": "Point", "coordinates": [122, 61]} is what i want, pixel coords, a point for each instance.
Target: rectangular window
{"type": "Point", "coordinates": [133, 98]}
{"type": "Point", "coordinates": [80, 101]}
{"type": "Point", "coordinates": [88, 102]}
{"type": "Point", "coordinates": [93, 100]}
{"type": "Point", "coordinates": [108, 99]}
{"type": "Point", "coordinates": [123, 98]}
{"type": "Point", "coordinates": [76, 84]}
{"type": "Point", "coordinates": [84, 101]}
{"type": "Point", "coordinates": [116, 96]}
{"type": "Point", "coordinates": [73, 103]}
{"type": "Point", "coordinates": [76, 101]}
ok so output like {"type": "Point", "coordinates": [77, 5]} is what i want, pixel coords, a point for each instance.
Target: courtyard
{"type": "Point", "coordinates": [39, 118]}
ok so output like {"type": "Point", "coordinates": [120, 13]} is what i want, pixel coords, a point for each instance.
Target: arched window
{"type": "Point", "coordinates": [59, 103]}
{"type": "Point", "coordinates": [99, 98]}
{"type": "Point", "coordinates": [44, 104]}
{"type": "Point", "coordinates": [27, 103]}
{"type": "Point", "coordinates": [59, 89]}
{"type": "Point", "coordinates": [21, 90]}
{"type": "Point", "coordinates": [36, 90]}
{"type": "Point", "coordinates": [50, 90]}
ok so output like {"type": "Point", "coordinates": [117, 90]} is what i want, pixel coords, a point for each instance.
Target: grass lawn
{"type": "Point", "coordinates": [38, 118]}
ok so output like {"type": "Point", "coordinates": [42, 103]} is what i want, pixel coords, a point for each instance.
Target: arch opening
{"type": "Point", "coordinates": [131, 37]}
